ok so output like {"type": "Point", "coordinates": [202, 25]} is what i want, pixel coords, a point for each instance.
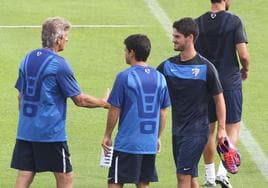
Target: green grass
{"type": "Point", "coordinates": [96, 55]}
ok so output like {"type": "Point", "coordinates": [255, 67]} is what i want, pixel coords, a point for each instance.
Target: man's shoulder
{"type": "Point", "coordinates": [204, 60]}
{"type": "Point", "coordinates": [166, 63]}
{"type": "Point", "coordinates": [124, 73]}
{"type": "Point", "coordinates": [46, 52]}
{"type": "Point", "coordinates": [173, 59]}
{"type": "Point", "coordinates": [202, 15]}
{"type": "Point", "coordinates": [232, 16]}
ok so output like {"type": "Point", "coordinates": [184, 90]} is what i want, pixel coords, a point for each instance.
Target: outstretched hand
{"type": "Point", "coordinates": [106, 97]}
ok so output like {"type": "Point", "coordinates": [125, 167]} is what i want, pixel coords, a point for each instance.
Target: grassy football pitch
{"type": "Point", "coordinates": [96, 54]}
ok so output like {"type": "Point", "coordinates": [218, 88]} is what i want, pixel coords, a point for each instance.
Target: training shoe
{"type": "Point", "coordinates": [223, 181]}
{"type": "Point", "coordinates": [209, 184]}
{"type": "Point", "coordinates": [237, 158]}
{"type": "Point", "coordinates": [229, 156]}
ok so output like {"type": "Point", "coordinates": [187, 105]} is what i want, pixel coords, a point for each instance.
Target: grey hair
{"type": "Point", "coordinates": [53, 29]}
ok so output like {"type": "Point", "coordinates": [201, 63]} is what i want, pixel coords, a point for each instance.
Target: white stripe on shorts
{"type": "Point", "coordinates": [63, 161]}
{"type": "Point", "coordinates": [116, 170]}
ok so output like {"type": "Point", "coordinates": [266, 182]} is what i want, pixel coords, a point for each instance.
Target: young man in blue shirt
{"type": "Point", "coordinates": [139, 99]}
{"type": "Point", "coordinates": [45, 82]}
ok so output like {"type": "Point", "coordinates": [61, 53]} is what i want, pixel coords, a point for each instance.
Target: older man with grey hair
{"type": "Point", "coordinates": [45, 81]}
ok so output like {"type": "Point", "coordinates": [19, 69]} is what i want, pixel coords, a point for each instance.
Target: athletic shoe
{"type": "Point", "coordinates": [235, 152]}
{"type": "Point", "coordinates": [209, 184]}
{"type": "Point", "coordinates": [229, 156]}
{"type": "Point", "coordinates": [237, 158]}
{"type": "Point", "coordinates": [223, 181]}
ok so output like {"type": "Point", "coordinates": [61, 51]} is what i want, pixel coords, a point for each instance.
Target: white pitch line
{"type": "Point", "coordinates": [74, 26]}
{"type": "Point", "coordinates": [160, 15]}
{"type": "Point", "coordinates": [254, 150]}
{"type": "Point", "coordinates": [252, 147]}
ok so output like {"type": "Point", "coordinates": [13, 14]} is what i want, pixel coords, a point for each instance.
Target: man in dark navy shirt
{"type": "Point", "coordinates": [222, 36]}
{"type": "Point", "coordinates": [191, 79]}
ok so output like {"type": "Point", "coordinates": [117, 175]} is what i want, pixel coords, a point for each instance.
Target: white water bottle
{"type": "Point", "coordinates": [106, 159]}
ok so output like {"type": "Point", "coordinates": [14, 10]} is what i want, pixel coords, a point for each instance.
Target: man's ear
{"type": "Point", "coordinates": [132, 53]}
{"type": "Point", "coordinates": [191, 37]}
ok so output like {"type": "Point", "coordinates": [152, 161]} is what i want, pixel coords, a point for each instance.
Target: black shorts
{"type": "Point", "coordinates": [41, 156]}
{"type": "Point", "coordinates": [233, 102]}
{"type": "Point", "coordinates": [132, 168]}
{"type": "Point", "coordinates": [187, 151]}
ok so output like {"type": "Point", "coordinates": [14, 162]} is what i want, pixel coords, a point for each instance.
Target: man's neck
{"type": "Point", "coordinates": [139, 63]}
{"type": "Point", "coordinates": [217, 7]}
{"type": "Point", "coordinates": [188, 54]}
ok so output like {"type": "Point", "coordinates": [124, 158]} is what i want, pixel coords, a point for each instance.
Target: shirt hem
{"type": "Point", "coordinates": [135, 152]}
{"type": "Point", "coordinates": [36, 140]}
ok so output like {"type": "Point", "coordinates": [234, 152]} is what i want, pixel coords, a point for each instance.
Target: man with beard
{"type": "Point", "coordinates": [191, 79]}
{"type": "Point", "coordinates": [222, 36]}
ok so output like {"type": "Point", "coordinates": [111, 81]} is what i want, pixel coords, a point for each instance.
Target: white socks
{"type": "Point", "coordinates": [221, 171]}
{"type": "Point", "coordinates": [210, 172]}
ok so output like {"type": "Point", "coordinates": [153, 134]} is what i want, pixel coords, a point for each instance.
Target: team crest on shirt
{"type": "Point", "coordinates": [195, 71]}
{"type": "Point", "coordinates": [147, 71]}
{"type": "Point", "coordinates": [39, 53]}
{"type": "Point", "coordinates": [213, 15]}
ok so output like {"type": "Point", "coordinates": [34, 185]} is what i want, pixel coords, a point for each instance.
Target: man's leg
{"type": "Point", "coordinates": [208, 155]}
{"type": "Point", "coordinates": [184, 181]}
{"type": "Point", "coordinates": [64, 180]}
{"type": "Point", "coordinates": [115, 185]}
{"type": "Point", "coordinates": [194, 183]}
{"type": "Point", "coordinates": [233, 132]}
{"type": "Point", "coordinates": [24, 179]}
{"type": "Point", "coordinates": [142, 185]}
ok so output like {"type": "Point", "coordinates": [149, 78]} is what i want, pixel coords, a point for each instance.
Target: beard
{"type": "Point", "coordinates": [178, 48]}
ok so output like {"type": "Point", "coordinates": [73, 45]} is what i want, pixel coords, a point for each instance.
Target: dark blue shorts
{"type": "Point", "coordinates": [132, 168]}
{"type": "Point", "coordinates": [233, 101]}
{"type": "Point", "coordinates": [187, 152]}
{"type": "Point", "coordinates": [41, 156]}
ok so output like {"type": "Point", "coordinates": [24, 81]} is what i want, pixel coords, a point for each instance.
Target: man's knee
{"type": "Point", "coordinates": [24, 179]}
{"type": "Point", "coordinates": [64, 179]}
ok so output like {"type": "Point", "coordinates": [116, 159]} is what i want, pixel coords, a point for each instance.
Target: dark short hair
{"type": "Point", "coordinates": [215, 1]}
{"type": "Point", "coordinates": [140, 44]}
{"type": "Point", "coordinates": [187, 26]}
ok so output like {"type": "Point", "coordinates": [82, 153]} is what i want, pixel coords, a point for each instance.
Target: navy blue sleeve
{"type": "Point", "coordinates": [240, 32]}
{"type": "Point", "coordinates": [213, 81]}
{"type": "Point", "coordinates": [67, 81]}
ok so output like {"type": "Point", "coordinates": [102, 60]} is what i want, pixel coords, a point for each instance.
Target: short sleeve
{"type": "Point", "coordinates": [67, 82]}
{"type": "Point", "coordinates": [117, 93]}
{"type": "Point", "coordinates": [19, 82]}
{"type": "Point", "coordinates": [160, 67]}
{"type": "Point", "coordinates": [213, 81]}
{"type": "Point", "coordinates": [164, 99]}
{"type": "Point", "coordinates": [240, 32]}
